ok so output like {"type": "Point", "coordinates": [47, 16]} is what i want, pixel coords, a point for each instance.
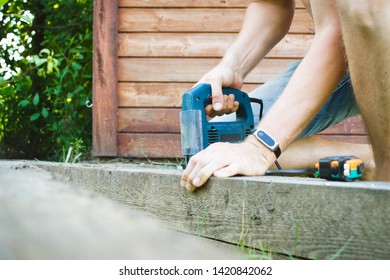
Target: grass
{"type": "Point", "coordinates": [178, 163]}
{"type": "Point", "coordinates": [200, 222]}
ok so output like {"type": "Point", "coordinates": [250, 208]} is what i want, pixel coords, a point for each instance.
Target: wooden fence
{"type": "Point", "coordinates": [147, 53]}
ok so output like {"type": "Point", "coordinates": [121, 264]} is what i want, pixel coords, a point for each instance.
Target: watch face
{"type": "Point", "coordinates": [266, 138]}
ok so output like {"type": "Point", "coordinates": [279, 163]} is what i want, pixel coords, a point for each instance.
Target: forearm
{"type": "Point", "coordinates": [309, 88]}
{"type": "Point", "coordinates": [265, 24]}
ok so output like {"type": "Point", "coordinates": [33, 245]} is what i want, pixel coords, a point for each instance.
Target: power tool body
{"type": "Point", "coordinates": [197, 132]}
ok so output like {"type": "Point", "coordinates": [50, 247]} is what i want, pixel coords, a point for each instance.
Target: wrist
{"type": "Point", "coordinates": [268, 141]}
{"type": "Point", "coordinates": [262, 149]}
{"type": "Point", "coordinates": [232, 63]}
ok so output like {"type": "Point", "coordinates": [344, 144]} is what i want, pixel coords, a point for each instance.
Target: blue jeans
{"type": "Point", "coordinates": [340, 105]}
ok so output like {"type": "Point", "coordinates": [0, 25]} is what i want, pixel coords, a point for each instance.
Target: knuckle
{"type": "Point", "coordinates": [194, 160]}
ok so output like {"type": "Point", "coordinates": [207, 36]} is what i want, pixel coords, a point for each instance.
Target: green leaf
{"type": "Point", "coordinates": [41, 72]}
{"type": "Point", "coordinates": [54, 126]}
{"type": "Point", "coordinates": [3, 2]}
{"type": "Point", "coordinates": [23, 103]}
{"type": "Point", "coordinates": [25, 85]}
{"type": "Point", "coordinates": [8, 90]}
{"type": "Point", "coordinates": [76, 66]}
{"type": "Point", "coordinates": [45, 112]}
{"type": "Point", "coordinates": [34, 117]}
{"type": "Point", "coordinates": [36, 99]}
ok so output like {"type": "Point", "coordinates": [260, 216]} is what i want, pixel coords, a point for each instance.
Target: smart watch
{"type": "Point", "coordinates": [268, 141]}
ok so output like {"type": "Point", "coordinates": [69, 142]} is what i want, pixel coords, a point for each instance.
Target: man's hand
{"type": "Point", "coordinates": [221, 76]}
{"type": "Point", "coordinates": [229, 105]}
{"type": "Point", "coordinates": [227, 159]}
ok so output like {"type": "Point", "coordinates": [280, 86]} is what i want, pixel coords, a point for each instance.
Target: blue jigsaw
{"type": "Point", "coordinates": [197, 132]}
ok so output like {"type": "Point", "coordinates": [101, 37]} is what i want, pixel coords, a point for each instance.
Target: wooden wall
{"type": "Point", "coordinates": [149, 52]}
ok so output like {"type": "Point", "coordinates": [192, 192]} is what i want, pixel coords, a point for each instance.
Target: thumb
{"type": "Point", "coordinates": [216, 92]}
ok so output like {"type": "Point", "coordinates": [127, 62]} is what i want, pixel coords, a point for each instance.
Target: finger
{"type": "Point", "coordinates": [205, 171]}
{"type": "Point", "coordinates": [224, 109]}
{"type": "Point", "coordinates": [210, 111]}
{"type": "Point", "coordinates": [234, 107]}
{"type": "Point", "coordinates": [187, 172]}
{"type": "Point", "coordinates": [216, 91]}
{"type": "Point", "coordinates": [236, 104]}
{"type": "Point", "coordinates": [230, 102]}
{"type": "Point", "coordinates": [228, 171]}
{"type": "Point", "coordinates": [198, 164]}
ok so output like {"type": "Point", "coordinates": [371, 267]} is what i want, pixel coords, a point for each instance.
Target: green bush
{"type": "Point", "coordinates": [46, 78]}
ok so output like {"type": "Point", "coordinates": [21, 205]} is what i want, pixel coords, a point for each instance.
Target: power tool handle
{"type": "Point", "coordinates": [200, 96]}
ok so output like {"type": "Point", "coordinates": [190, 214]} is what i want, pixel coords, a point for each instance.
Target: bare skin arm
{"type": "Point", "coordinates": [309, 88]}
{"type": "Point", "coordinates": [265, 24]}
{"type": "Point", "coordinates": [314, 80]}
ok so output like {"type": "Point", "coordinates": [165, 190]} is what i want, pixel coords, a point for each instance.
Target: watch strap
{"type": "Point", "coordinates": [277, 151]}
{"type": "Point", "coordinates": [264, 138]}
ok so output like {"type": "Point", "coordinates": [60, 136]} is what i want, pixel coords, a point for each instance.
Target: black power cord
{"type": "Point", "coordinates": [260, 102]}
{"type": "Point", "coordinates": [307, 171]}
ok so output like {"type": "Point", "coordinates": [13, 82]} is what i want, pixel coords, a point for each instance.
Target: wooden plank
{"type": "Point", "coordinates": [166, 120]}
{"type": "Point", "coordinates": [196, 20]}
{"type": "Point", "coordinates": [200, 45]}
{"type": "Point", "coordinates": [190, 3]}
{"type": "Point", "coordinates": [157, 94]}
{"type": "Point", "coordinates": [183, 3]}
{"type": "Point", "coordinates": [188, 70]}
{"type": "Point", "coordinates": [104, 78]}
{"type": "Point", "coordinates": [353, 125]}
{"type": "Point", "coordinates": [151, 120]}
{"type": "Point", "coordinates": [163, 145]}
{"type": "Point", "coordinates": [310, 218]}
{"type": "Point", "coordinates": [361, 139]}
{"type": "Point", "coordinates": [151, 94]}
{"type": "Point", "coordinates": [149, 145]}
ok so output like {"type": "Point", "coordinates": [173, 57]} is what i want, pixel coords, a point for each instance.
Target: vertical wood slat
{"type": "Point", "coordinates": [105, 32]}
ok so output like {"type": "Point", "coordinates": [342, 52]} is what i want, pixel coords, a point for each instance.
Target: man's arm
{"type": "Point", "coordinates": [265, 24]}
{"type": "Point", "coordinates": [314, 80]}
{"type": "Point", "coordinates": [316, 77]}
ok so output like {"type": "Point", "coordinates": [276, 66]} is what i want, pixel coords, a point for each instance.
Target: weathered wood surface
{"type": "Point", "coordinates": [309, 218]}
{"type": "Point", "coordinates": [44, 218]}
{"type": "Point", "coordinates": [104, 78]}
{"type": "Point", "coordinates": [196, 20]}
